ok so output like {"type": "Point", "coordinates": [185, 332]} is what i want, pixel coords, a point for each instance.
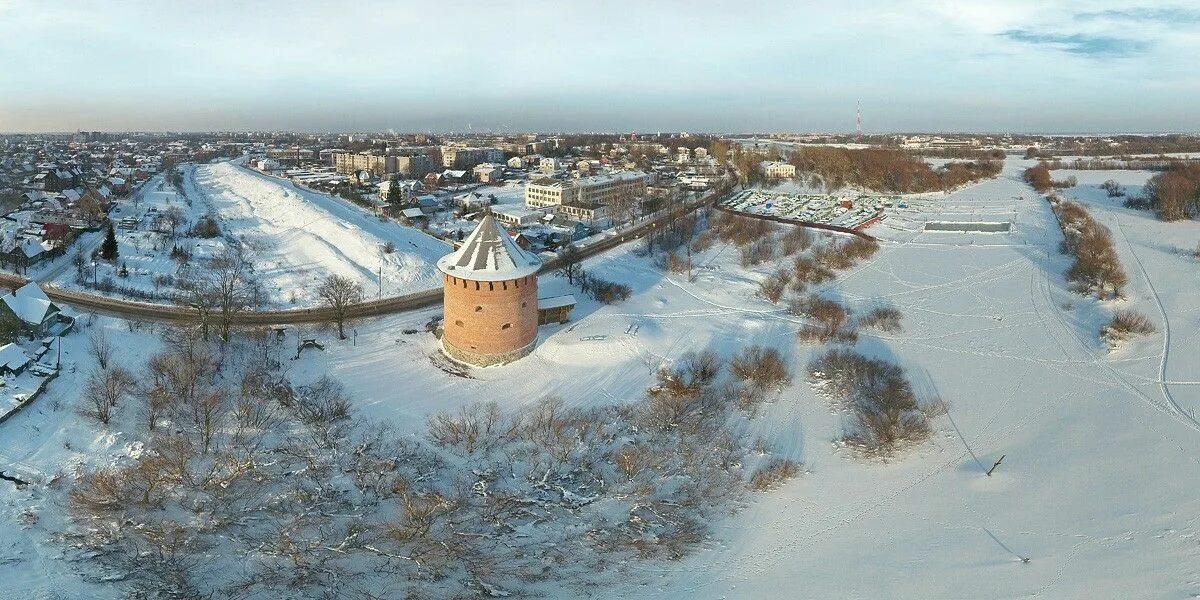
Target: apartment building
{"type": "Point", "coordinates": [415, 166]}
{"type": "Point", "coordinates": [466, 158]}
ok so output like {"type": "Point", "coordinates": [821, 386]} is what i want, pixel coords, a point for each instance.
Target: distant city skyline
{"type": "Point", "coordinates": [917, 66]}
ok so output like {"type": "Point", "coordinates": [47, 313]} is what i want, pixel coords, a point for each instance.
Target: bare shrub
{"type": "Point", "coordinates": [677, 262]}
{"type": "Point", "coordinates": [831, 258]}
{"type": "Point", "coordinates": [887, 414]}
{"type": "Point", "coordinates": [632, 459]}
{"type": "Point", "coordinates": [474, 428]}
{"type": "Point", "coordinates": [206, 227]}
{"type": "Point", "coordinates": [885, 319]}
{"type": "Point", "coordinates": [773, 286]}
{"type": "Point", "coordinates": [773, 473]}
{"type": "Point", "coordinates": [757, 253]}
{"type": "Point", "coordinates": [322, 401]}
{"type": "Point", "coordinates": [832, 321]}
{"type": "Point", "coordinates": [1112, 188]}
{"type": "Point", "coordinates": [683, 396]}
{"type": "Point", "coordinates": [605, 291]}
{"type": "Point", "coordinates": [811, 271]}
{"type": "Point", "coordinates": [741, 230]}
{"type": "Point", "coordinates": [796, 239]}
{"type": "Point", "coordinates": [762, 367]}
{"type": "Point", "coordinates": [703, 242]}
{"type": "Point", "coordinates": [859, 249]}
{"type": "Point", "coordinates": [1126, 324]}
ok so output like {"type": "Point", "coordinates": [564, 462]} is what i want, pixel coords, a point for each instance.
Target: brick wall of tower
{"type": "Point", "coordinates": [489, 318]}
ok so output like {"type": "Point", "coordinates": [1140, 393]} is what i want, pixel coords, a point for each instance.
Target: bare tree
{"type": "Point", "coordinates": [570, 263]}
{"type": "Point", "coordinates": [199, 295]}
{"type": "Point", "coordinates": [210, 415]}
{"type": "Point", "coordinates": [104, 390]}
{"type": "Point", "coordinates": [100, 347]}
{"type": "Point", "coordinates": [231, 286]}
{"type": "Point", "coordinates": [173, 217]}
{"type": "Point", "coordinates": [340, 294]}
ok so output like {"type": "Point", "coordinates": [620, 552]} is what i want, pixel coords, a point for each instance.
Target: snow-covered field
{"type": "Point", "coordinates": [298, 237]}
{"type": "Point", "coordinates": [1100, 482]}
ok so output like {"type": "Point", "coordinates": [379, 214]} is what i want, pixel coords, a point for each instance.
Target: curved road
{"type": "Point", "coordinates": [164, 313]}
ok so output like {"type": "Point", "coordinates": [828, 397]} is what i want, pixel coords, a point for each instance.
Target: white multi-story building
{"type": "Point", "coordinates": [600, 190]}
{"type": "Point", "coordinates": [488, 173]}
{"type": "Point", "coordinates": [778, 170]}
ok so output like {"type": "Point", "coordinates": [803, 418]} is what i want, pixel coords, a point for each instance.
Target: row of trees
{"type": "Point", "coordinates": [1097, 269]}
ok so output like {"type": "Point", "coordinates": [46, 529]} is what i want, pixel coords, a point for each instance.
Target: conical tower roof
{"type": "Point", "coordinates": [488, 254]}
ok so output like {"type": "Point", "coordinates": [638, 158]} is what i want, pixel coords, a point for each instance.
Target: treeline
{"type": "Point", "coordinates": [1124, 145]}
{"type": "Point", "coordinates": [887, 170]}
{"type": "Point", "coordinates": [1118, 164]}
{"type": "Point", "coordinates": [962, 153]}
{"type": "Point", "coordinates": [1174, 195]}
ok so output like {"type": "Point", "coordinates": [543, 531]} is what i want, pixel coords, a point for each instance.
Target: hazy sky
{"type": "Point", "coordinates": [647, 65]}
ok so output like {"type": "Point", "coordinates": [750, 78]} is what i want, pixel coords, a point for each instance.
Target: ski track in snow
{"type": "Point", "coordinates": [1166, 334]}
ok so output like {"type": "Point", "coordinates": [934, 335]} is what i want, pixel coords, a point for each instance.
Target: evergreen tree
{"type": "Point", "coordinates": [108, 249]}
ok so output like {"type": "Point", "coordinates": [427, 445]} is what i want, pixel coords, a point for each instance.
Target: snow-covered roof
{"type": "Point", "coordinates": [29, 303]}
{"type": "Point", "coordinates": [13, 357]}
{"type": "Point", "coordinates": [556, 302]}
{"type": "Point", "coordinates": [488, 254]}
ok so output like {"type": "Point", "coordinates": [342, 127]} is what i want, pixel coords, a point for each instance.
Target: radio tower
{"type": "Point", "coordinates": [858, 121]}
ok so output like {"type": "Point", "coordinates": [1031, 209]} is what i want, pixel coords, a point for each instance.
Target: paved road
{"type": "Point", "coordinates": [164, 313]}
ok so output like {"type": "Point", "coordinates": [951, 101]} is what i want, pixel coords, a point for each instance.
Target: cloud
{"type": "Point", "coordinates": [1080, 44]}
{"type": "Point", "coordinates": [1168, 15]}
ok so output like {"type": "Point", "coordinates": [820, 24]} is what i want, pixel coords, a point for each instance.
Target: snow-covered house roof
{"type": "Point", "coordinates": [488, 254]}
{"type": "Point", "coordinates": [30, 304]}
{"type": "Point", "coordinates": [32, 248]}
{"type": "Point", "coordinates": [12, 357]}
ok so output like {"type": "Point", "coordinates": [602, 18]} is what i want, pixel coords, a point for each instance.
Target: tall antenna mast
{"type": "Point", "coordinates": [858, 120]}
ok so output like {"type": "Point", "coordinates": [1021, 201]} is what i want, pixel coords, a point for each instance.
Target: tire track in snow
{"type": "Point", "coordinates": [1166, 348]}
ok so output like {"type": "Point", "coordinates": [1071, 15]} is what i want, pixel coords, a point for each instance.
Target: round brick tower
{"type": "Point", "coordinates": [490, 301]}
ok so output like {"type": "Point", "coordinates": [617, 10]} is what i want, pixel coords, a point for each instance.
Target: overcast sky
{"type": "Point", "coordinates": [646, 65]}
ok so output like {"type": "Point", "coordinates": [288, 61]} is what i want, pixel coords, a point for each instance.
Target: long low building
{"type": "Point", "coordinates": [600, 190]}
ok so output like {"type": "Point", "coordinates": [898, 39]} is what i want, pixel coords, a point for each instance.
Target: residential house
{"type": "Point", "coordinates": [488, 173]}
{"type": "Point", "coordinates": [34, 309]}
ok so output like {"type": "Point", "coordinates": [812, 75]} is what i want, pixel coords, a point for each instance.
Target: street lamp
{"type": "Point", "coordinates": [95, 274]}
